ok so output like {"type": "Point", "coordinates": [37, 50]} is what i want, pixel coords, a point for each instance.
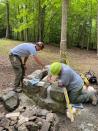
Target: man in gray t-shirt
{"type": "Point", "coordinates": [68, 78]}
{"type": "Point", "coordinates": [19, 65]}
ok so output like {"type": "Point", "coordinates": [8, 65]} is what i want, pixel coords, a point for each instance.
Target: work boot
{"type": "Point", "coordinates": [94, 100]}
{"type": "Point", "coordinates": [18, 89]}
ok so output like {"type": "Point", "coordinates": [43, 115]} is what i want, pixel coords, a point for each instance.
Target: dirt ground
{"type": "Point", "coordinates": [80, 60]}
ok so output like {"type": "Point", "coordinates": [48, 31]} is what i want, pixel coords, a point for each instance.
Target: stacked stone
{"type": "Point", "coordinates": [45, 95]}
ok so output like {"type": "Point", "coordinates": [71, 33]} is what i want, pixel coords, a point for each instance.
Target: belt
{"type": "Point", "coordinates": [14, 55]}
{"type": "Point", "coordinates": [11, 54]}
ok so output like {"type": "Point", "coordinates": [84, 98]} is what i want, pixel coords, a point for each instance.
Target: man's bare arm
{"type": "Point", "coordinates": [25, 60]}
{"type": "Point", "coordinates": [38, 61]}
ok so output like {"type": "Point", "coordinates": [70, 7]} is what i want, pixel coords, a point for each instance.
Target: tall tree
{"type": "Point", "coordinates": [27, 16]}
{"type": "Point", "coordinates": [63, 43]}
{"type": "Point", "coordinates": [39, 21]}
{"type": "Point", "coordinates": [97, 27]}
{"type": "Point", "coordinates": [7, 20]}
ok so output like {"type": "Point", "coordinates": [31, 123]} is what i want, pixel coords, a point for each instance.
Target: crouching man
{"type": "Point", "coordinates": [68, 78]}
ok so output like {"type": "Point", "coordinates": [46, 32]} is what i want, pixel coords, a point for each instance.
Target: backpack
{"type": "Point", "coordinates": [90, 75]}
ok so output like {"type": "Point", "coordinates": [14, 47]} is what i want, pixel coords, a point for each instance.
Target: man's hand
{"type": "Point", "coordinates": [24, 66]}
{"type": "Point", "coordinates": [60, 84]}
{"type": "Point", "coordinates": [42, 66]}
{"type": "Point", "coordinates": [51, 79]}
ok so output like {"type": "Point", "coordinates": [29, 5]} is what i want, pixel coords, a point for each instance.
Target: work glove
{"type": "Point", "coordinates": [24, 66]}
{"type": "Point", "coordinates": [42, 66]}
{"type": "Point", "coordinates": [60, 84]}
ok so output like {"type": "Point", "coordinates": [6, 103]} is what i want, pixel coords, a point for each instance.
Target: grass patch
{"type": "Point", "coordinates": [6, 45]}
{"type": "Point", "coordinates": [49, 54]}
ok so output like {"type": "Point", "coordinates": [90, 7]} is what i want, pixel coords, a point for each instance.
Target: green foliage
{"type": "Point", "coordinates": [27, 15]}
{"type": "Point", "coordinates": [80, 19]}
{"type": "Point", "coordinates": [2, 20]}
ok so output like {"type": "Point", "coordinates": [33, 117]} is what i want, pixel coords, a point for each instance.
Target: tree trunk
{"type": "Point", "coordinates": [90, 27]}
{"type": "Point", "coordinates": [63, 43]}
{"type": "Point", "coordinates": [26, 20]}
{"type": "Point", "coordinates": [7, 20]}
{"type": "Point", "coordinates": [97, 29]}
{"type": "Point", "coordinates": [39, 21]}
{"type": "Point", "coordinates": [42, 22]}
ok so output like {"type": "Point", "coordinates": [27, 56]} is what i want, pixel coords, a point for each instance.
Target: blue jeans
{"type": "Point", "coordinates": [80, 96]}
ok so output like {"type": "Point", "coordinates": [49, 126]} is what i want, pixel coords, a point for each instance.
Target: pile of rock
{"type": "Point", "coordinates": [24, 115]}
{"type": "Point", "coordinates": [29, 119]}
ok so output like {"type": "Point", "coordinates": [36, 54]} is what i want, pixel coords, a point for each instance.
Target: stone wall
{"type": "Point", "coordinates": [44, 94]}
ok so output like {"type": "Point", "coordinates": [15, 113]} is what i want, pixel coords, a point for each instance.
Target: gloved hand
{"type": "Point", "coordinates": [42, 67]}
{"type": "Point", "coordinates": [24, 66]}
{"type": "Point", "coordinates": [60, 84]}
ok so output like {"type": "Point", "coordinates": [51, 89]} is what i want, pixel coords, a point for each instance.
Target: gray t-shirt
{"type": "Point", "coordinates": [24, 50]}
{"type": "Point", "coordinates": [70, 78]}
